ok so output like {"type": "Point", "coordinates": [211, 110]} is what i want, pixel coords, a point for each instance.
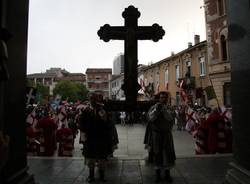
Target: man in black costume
{"type": "Point", "coordinates": [96, 127]}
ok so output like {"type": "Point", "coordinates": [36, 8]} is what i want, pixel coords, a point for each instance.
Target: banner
{"type": "Point", "coordinates": [30, 95]}
{"type": "Point", "coordinates": [210, 92]}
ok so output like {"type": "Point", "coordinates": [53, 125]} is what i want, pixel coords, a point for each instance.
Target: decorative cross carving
{"type": "Point", "coordinates": [131, 33]}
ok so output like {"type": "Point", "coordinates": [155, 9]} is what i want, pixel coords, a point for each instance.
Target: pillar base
{"type": "Point", "coordinates": [237, 175]}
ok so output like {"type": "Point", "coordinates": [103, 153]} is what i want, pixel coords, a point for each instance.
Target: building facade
{"type": "Point", "coordinates": [166, 74]}
{"type": "Point", "coordinates": [53, 75]}
{"type": "Point", "coordinates": [98, 80]}
{"type": "Point", "coordinates": [118, 64]}
{"type": "Point", "coordinates": [116, 83]}
{"type": "Point", "coordinates": [217, 50]}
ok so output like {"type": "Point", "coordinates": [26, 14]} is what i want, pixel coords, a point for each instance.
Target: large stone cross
{"type": "Point", "coordinates": [131, 33]}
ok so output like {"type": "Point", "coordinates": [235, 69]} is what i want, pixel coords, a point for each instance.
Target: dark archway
{"type": "Point", "coordinates": [14, 17]}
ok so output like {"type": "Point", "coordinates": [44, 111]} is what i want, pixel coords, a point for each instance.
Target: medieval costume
{"type": "Point", "coordinates": [32, 144]}
{"type": "Point", "coordinates": [216, 140]}
{"type": "Point", "coordinates": [161, 119]}
{"type": "Point", "coordinates": [148, 142]}
{"type": "Point", "coordinates": [66, 140]}
{"type": "Point", "coordinates": [181, 118]}
{"type": "Point", "coordinates": [191, 120]}
{"type": "Point", "coordinates": [46, 132]}
{"type": "Point", "coordinates": [98, 142]}
{"type": "Point", "coordinates": [201, 133]}
{"type": "Point", "coordinates": [113, 131]}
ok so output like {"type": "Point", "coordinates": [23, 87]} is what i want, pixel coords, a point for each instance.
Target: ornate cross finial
{"type": "Point", "coordinates": [131, 33]}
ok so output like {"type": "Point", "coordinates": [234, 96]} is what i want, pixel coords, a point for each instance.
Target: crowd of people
{"type": "Point", "coordinates": [50, 128]}
{"type": "Point", "coordinates": [210, 127]}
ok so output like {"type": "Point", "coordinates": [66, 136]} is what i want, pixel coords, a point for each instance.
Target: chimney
{"type": "Point", "coordinates": [189, 44]}
{"type": "Point", "coordinates": [196, 39]}
{"type": "Point", "coordinates": [172, 53]}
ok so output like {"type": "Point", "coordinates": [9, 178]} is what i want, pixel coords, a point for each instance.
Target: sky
{"type": "Point", "coordinates": [63, 33]}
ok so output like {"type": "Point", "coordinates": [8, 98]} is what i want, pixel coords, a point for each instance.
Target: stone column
{"type": "Point", "coordinates": [239, 45]}
{"type": "Point", "coordinates": [16, 21]}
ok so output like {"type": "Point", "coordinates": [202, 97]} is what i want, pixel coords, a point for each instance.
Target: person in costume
{"type": "Point", "coordinates": [46, 128]}
{"type": "Point", "coordinates": [216, 136]}
{"type": "Point", "coordinates": [65, 138]}
{"type": "Point", "coordinates": [161, 119]}
{"type": "Point", "coordinates": [96, 127]}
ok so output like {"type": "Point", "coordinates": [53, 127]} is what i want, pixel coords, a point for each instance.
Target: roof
{"type": "Point", "coordinates": [50, 73]}
{"type": "Point", "coordinates": [114, 77]}
{"type": "Point", "coordinates": [200, 44]}
{"type": "Point", "coordinates": [73, 77]}
{"type": "Point", "coordinates": [55, 70]}
{"type": "Point", "coordinates": [42, 75]}
{"type": "Point", "coordinates": [99, 70]}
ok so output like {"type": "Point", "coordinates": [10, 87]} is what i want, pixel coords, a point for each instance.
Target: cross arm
{"type": "Point", "coordinates": [108, 32]}
{"type": "Point", "coordinates": [154, 32]}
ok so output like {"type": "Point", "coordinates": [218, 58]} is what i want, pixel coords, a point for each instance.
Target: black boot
{"type": "Point", "coordinates": [91, 177]}
{"type": "Point", "coordinates": [168, 178]}
{"type": "Point", "coordinates": [157, 175]}
{"type": "Point", "coordinates": [101, 173]}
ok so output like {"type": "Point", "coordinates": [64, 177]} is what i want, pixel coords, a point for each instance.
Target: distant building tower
{"type": "Point", "coordinates": [118, 64]}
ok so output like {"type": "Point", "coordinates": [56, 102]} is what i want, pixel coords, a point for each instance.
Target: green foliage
{"type": "Point", "coordinates": [30, 83]}
{"type": "Point", "coordinates": [70, 90]}
{"type": "Point", "coordinates": [82, 92]}
{"type": "Point", "coordinates": [42, 92]}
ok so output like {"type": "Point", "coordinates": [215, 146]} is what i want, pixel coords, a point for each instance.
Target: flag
{"type": "Point", "coordinates": [199, 93]}
{"type": "Point", "coordinates": [183, 95]}
{"type": "Point", "coordinates": [31, 118]}
{"type": "Point", "coordinates": [30, 95]}
{"type": "Point", "coordinates": [180, 83]}
{"type": "Point", "coordinates": [150, 88]}
{"type": "Point", "coordinates": [55, 103]}
{"type": "Point", "coordinates": [142, 84]}
{"type": "Point", "coordinates": [62, 117]}
{"type": "Point", "coordinates": [210, 92]}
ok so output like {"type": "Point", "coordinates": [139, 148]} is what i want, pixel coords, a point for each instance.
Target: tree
{"type": "Point", "coordinates": [83, 91]}
{"type": "Point", "coordinates": [70, 90]}
{"type": "Point", "coordinates": [42, 92]}
{"type": "Point", "coordinates": [30, 83]}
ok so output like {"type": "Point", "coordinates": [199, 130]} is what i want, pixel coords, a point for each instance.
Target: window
{"type": "Point", "coordinates": [97, 77]}
{"type": "Point", "coordinates": [166, 79]}
{"type": "Point", "coordinates": [221, 7]}
{"type": "Point", "coordinates": [89, 76]}
{"type": "Point", "coordinates": [227, 93]}
{"type": "Point", "coordinates": [105, 77]}
{"type": "Point", "coordinates": [188, 67]}
{"type": "Point", "coordinates": [202, 66]}
{"type": "Point", "coordinates": [157, 77]}
{"type": "Point", "coordinates": [178, 99]}
{"type": "Point", "coordinates": [223, 42]}
{"type": "Point", "coordinates": [177, 72]}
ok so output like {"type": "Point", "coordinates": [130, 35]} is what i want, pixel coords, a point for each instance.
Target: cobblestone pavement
{"type": "Point", "coordinates": [131, 142]}
{"type": "Point", "coordinates": [129, 165]}
{"type": "Point", "coordinates": [192, 170]}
